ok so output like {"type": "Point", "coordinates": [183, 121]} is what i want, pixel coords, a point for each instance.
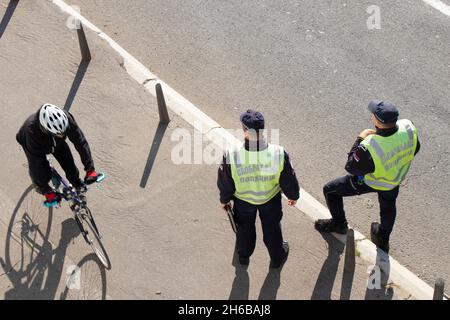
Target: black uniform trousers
{"type": "Point", "coordinates": [270, 214]}
{"type": "Point", "coordinates": [40, 172]}
{"type": "Point", "coordinates": [350, 185]}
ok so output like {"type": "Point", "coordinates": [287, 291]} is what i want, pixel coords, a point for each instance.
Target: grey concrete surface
{"type": "Point", "coordinates": [311, 67]}
{"type": "Point", "coordinates": [168, 240]}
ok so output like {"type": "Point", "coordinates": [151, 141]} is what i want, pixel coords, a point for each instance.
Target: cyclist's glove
{"type": "Point", "coordinates": [91, 177]}
{"type": "Point", "coordinates": [52, 199]}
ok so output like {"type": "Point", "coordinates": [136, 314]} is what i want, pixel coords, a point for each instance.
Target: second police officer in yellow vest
{"type": "Point", "coordinates": [378, 162]}
{"type": "Point", "coordinates": [253, 177]}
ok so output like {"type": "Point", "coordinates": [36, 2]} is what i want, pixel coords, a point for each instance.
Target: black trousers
{"type": "Point", "coordinates": [40, 172]}
{"type": "Point", "coordinates": [349, 185]}
{"type": "Point", "coordinates": [270, 214]}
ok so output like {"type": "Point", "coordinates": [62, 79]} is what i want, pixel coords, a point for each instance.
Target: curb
{"type": "Point", "coordinates": [218, 135]}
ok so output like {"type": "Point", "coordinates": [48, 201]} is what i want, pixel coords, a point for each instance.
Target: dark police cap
{"type": "Point", "coordinates": [384, 111]}
{"type": "Point", "coordinates": [252, 119]}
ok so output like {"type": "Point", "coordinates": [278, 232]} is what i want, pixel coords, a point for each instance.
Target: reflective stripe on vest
{"type": "Point", "coordinates": [256, 174]}
{"type": "Point", "coordinates": [391, 155]}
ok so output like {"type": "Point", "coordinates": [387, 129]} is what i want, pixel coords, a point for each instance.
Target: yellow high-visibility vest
{"type": "Point", "coordinates": [391, 155]}
{"type": "Point", "coordinates": [256, 174]}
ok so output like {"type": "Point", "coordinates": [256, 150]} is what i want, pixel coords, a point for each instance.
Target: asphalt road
{"type": "Point", "coordinates": [311, 67]}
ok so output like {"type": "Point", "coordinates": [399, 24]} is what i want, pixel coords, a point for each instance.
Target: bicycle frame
{"type": "Point", "coordinates": [68, 192]}
{"type": "Point", "coordinates": [82, 213]}
{"type": "Point", "coordinates": [70, 195]}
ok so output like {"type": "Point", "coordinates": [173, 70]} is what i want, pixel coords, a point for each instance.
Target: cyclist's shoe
{"type": "Point", "coordinates": [91, 177]}
{"type": "Point", "coordinates": [42, 190]}
{"type": "Point", "coordinates": [279, 264]}
{"type": "Point", "coordinates": [328, 225]}
{"type": "Point", "coordinates": [52, 199]}
{"type": "Point", "coordinates": [377, 238]}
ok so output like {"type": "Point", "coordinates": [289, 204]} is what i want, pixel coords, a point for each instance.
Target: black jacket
{"type": "Point", "coordinates": [288, 179]}
{"type": "Point", "coordinates": [39, 143]}
{"type": "Point", "coordinates": [360, 162]}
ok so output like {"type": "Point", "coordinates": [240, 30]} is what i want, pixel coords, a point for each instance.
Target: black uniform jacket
{"type": "Point", "coordinates": [288, 179]}
{"type": "Point", "coordinates": [39, 143]}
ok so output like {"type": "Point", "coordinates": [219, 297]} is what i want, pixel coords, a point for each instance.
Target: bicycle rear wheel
{"type": "Point", "coordinates": [91, 235]}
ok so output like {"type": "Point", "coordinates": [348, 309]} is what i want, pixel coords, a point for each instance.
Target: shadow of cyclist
{"type": "Point", "coordinates": [87, 281]}
{"type": "Point", "coordinates": [30, 223]}
{"type": "Point", "coordinates": [32, 263]}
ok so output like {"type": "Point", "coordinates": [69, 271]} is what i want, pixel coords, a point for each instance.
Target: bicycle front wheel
{"type": "Point", "coordinates": [92, 236]}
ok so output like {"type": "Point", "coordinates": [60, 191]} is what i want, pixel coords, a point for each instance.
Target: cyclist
{"type": "Point", "coordinates": [44, 133]}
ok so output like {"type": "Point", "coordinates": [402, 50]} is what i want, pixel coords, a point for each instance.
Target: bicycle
{"type": "Point", "coordinates": [83, 215]}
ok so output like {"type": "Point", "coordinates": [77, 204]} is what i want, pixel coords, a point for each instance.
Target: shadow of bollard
{"type": "Point", "coordinates": [7, 16]}
{"type": "Point", "coordinates": [164, 120]}
{"type": "Point", "coordinates": [82, 68]}
{"type": "Point", "coordinates": [84, 47]}
{"type": "Point", "coordinates": [156, 143]}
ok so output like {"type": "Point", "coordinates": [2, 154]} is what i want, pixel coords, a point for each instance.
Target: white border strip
{"type": "Point", "coordinates": [207, 126]}
{"type": "Point", "coordinates": [439, 5]}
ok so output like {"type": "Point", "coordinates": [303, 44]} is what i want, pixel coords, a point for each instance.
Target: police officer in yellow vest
{"type": "Point", "coordinates": [378, 162]}
{"type": "Point", "coordinates": [251, 179]}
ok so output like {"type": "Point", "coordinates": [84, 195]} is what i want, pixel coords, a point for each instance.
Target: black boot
{"type": "Point", "coordinates": [376, 237]}
{"type": "Point", "coordinates": [328, 225]}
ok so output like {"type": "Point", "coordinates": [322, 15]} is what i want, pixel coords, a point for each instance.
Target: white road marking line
{"type": "Point", "coordinates": [439, 5]}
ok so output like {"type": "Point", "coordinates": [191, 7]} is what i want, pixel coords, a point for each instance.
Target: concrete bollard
{"type": "Point", "coordinates": [439, 289]}
{"type": "Point", "coordinates": [349, 263]}
{"type": "Point", "coordinates": [84, 47]}
{"type": "Point", "coordinates": [162, 108]}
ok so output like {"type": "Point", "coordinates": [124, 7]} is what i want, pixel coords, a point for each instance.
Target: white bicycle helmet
{"type": "Point", "coordinates": [53, 119]}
